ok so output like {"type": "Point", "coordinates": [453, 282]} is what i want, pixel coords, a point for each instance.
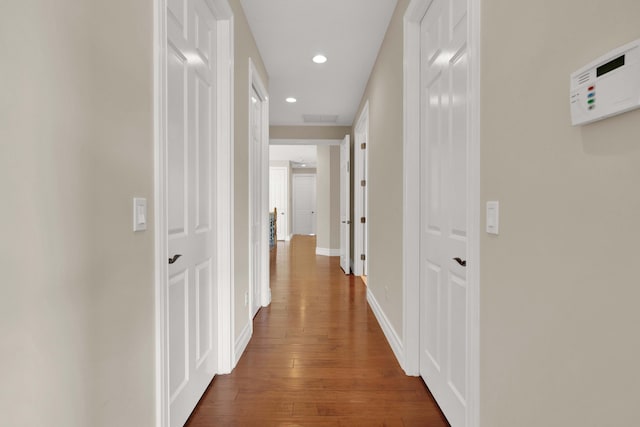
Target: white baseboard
{"type": "Point", "coordinates": [387, 328]}
{"type": "Point", "coordinates": [241, 343]}
{"type": "Point", "coordinates": [288, 238]}
{"type": "Point", "coordinates": [327, 252]}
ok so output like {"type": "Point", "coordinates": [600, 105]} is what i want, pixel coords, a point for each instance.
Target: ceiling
{"type": "Point", "coordinates": [290, 32]}
{"type": "Point", "coordinates": [298, 154]}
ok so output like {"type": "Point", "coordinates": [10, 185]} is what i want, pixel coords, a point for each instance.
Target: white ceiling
{"type": "Point", "coordinates": [290, 32]}
{"type": "Point", "coordinates": [299, 154]}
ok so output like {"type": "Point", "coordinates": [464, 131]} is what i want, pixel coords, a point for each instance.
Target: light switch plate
{"type": "Point", "coordinates": [139, 214]}
{"type": "Point", "coordinates": [493, 217]}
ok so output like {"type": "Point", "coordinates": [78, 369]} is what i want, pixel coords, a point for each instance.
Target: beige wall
{"type": "Point", "coordinates": [245, 48]}
{"type": "Point", "coordinates": [308, 132]}
{"type": "Point", "coordinates": [76, 145]}
{"type": "Point", "coordinates": [334, 194]}
{"type": "Point", "coordinates": [328, 197]}
{"type": "Point", "coordinates": [559, 286]}
{"type": "Point", "coordinates": [384, 93]}
{"type": "Point", "coordinates": [323, 198]}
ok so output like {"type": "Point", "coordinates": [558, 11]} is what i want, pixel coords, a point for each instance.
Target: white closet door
{"type": "Point", "coordinates": [191, 91]}
{"type": "Point", "coordinates": [444, 145]}
{"type": "Point", "coordinates": [304, 204]}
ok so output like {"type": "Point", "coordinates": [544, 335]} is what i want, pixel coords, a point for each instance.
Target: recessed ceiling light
{"type": "Point", "coordinates": [291, 100]}
{"type": "Point", "coordinates": [319, 59]}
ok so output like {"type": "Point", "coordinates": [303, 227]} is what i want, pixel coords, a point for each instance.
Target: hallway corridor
{"type": "Point", "coordinates": [317, 357]}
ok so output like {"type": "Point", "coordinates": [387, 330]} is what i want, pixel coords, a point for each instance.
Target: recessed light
{"type": "Point", "coordinates": [319, 59]}
{"type": "Point", "coordinates": [291, 100]}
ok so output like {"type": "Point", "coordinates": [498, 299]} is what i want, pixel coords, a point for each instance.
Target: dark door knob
{"type": "Point", "coordinates": [175, 258]}
{"type": "Point", "coordinates": [462, 262]}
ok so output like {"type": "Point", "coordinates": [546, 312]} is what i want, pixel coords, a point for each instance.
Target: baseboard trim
{"type": "Point", "coordinates": [327, 252]}
{"type": "Point", "coordinates": [241, 343]}
{"type": "Point", "coordinates": [387, 328]}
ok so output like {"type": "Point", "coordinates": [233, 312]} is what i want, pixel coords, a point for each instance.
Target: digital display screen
{"type": "Point", "coordinates": [610, 66]}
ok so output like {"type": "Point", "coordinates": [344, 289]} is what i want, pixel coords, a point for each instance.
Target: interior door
{"type": "Point", "coordinates": [345, 204]}
{"type": "Point", "coordinates": [191, 130]}
{"type": "Point", "coordinates": [304, 204]}
{"type": "Point", "coordinates": [279, 197]}
{"type": "Point", "coordinates": [443, 234]}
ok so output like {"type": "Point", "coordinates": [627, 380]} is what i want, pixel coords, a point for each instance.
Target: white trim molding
{"type": "Point", "coordinates": [225, 189]}
{"type": "Point", "coordinates": [305, 141]}
{"type": "Point", "coordinates": [411, 199]}
{"type": "Point", "coordinates": [242, 342]}
{"type": "Point", "coordinates": [389, 331]}
{"type": "Point", "coordinates": [160, 223]}
{"type": "Point", "coordinates": [261, 195]}
{"type": "Point", "coordinates": [327, 252]}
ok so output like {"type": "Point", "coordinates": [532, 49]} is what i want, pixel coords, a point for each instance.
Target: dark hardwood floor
{"type": "Point", "coordinates": [317, 357]}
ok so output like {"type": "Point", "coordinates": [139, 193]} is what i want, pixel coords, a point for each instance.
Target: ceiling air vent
{"type": "Point", "coordinates": [320, 118]}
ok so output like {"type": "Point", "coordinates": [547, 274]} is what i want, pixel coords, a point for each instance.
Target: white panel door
{"type": "Point", "coordinates": [279, 198]}
{"type": "Point", "coordinates": [191, 130]}
{"type": "Point", "coordinates": [304, 204]}
{"type": "Point", "coordinates": [345, 204]}
{"type": "Point", "coordinates": [443, 233]}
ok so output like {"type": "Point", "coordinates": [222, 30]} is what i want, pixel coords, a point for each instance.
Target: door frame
{"type": "Point", "coordinates": [345, 203]}
{"type": "Point", "coordinates": [360, 234]}
{"type": "Point", "coordinates": [293, 198]}
{"type": "Point", "coordinates": [412, 199]}
{"type": "Point", "coordinates": [260, 195]}
{"type": "Point", "coordinates": [223, 189]}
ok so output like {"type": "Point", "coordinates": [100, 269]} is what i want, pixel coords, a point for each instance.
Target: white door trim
{"type": "Point", "coordinates": [261, 196]}
{"type": "Point", "coordinates": [224, 192]}
{"type": "Point", "coordinates": [345, 204]}
{"type": "Point", "coordinates": [411, 203]}
{"type": "Point", "coordinates": [359, 233]}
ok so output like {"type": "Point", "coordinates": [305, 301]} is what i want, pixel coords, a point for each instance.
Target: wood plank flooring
{"type": "Point", "coordinates": [317, 357]}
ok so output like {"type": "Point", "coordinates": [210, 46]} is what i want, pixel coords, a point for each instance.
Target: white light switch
{"type": "Point", "coordinates": [493, 217]}
{"type": "Point", "coordinates": [139, 214]}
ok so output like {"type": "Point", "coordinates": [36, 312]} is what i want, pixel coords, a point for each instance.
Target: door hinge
{"type": "Point", "coordinates": [363, 146]}
{"type": "Point", "coordinates": [348, 167]}
{"type": "Point", "coordinates": [363, 220]}
{"type": "Point", "coordinates": [363, 257]}
{"type": "Point", "coordinates": [363, 183]}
